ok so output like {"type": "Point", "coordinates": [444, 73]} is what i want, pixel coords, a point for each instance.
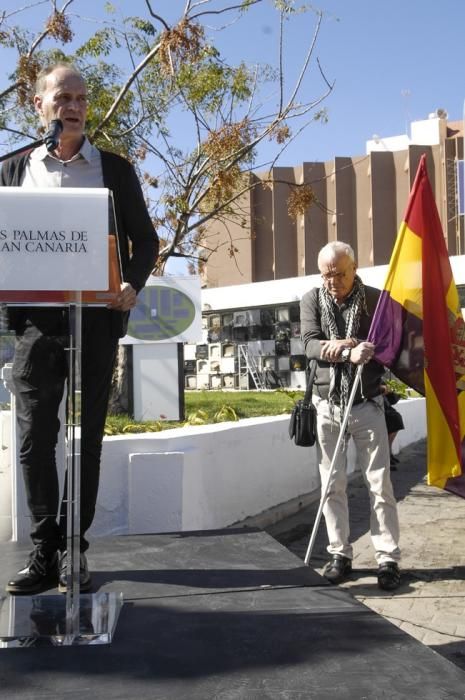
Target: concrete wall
{"type": "Point", "coordinates": [205, 477]}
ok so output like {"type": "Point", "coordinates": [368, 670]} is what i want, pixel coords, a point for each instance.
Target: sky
{"type": "Point", "coordinates": [391, 62]}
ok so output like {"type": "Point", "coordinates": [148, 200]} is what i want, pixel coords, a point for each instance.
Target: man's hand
{"type": "Point", "coordinates": [125, 300]}
{"type": "Point", "coordinates": [362, 353]}
{"type": "Point", "coordinates": [331, 349]}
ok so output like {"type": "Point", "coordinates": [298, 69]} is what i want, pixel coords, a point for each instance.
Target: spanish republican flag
{"type": "Point", "coordinates": [419, 332]}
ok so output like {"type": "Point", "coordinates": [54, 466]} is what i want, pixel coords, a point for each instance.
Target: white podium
{"type": "Point", "coordinates": [55, 250]}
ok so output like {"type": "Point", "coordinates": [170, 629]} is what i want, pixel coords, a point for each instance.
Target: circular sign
{"type": "Point", "coordinates": [161, 313]}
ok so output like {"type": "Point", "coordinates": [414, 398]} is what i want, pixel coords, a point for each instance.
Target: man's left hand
{"type": "Point", "coordinates": [331, 349]}
{"type": "Point", "coordinates": [125, 300]}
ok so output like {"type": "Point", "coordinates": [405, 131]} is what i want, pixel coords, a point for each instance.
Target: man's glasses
{"type": "Point", "coordinates": [336, 276]}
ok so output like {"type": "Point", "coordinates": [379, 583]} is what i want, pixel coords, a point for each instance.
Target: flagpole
{"type": "Point", "coordinates": [337, 449]}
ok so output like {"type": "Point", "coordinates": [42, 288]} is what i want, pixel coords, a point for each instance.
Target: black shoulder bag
{"type": "Point", "coordinates": [302, 426]}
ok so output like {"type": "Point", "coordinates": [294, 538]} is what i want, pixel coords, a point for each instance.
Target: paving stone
{"type": "Point", "coordinates": [430, 604]}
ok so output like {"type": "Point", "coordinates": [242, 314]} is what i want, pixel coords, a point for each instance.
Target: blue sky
{"type": "Point", "coordinates": [392, 62]}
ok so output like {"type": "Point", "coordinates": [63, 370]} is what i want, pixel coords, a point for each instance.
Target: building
{"type": "Point", "coordinates": [251, 332]}
{"type": "Point", "coordinates": [359, 199]}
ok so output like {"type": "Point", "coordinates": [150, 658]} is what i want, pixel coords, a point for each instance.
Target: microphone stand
{"type": "Point", "coordinates": [23, 149]}
{"type": "Point", "coordinates": [50, 138]}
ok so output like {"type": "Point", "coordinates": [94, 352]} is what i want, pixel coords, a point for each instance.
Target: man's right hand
{"type": "Point", "coordinates": [362, 353]}
{"type": "Point", "coordinates": [331, 350]}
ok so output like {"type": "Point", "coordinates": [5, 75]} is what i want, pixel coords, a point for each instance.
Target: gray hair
{"type": "Point", "coordinates": [41, 80]}
{"type": "Point", "coordinates": [334, 249]}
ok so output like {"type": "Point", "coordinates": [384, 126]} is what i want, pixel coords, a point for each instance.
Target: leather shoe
{"type": "Point", "coordinates": [338, 568]}
{"type": "Point", "coordinates": [85, 581]}
{"type": "Point", "coordinates": [388, 576]}
{"type": "Point", "coordinates": [41, 571]}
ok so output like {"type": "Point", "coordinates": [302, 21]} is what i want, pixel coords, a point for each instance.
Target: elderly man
{"type": "Point", "coordinates": [335, 320]}
{"type": "Point", "coordinates": [40, 363]}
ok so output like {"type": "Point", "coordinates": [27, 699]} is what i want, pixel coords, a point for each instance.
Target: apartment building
{"type": "Point", "coordinates": [358, 199]}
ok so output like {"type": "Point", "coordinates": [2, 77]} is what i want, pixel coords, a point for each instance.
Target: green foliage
{"type": "Point", "coordinates": [241, 82]}
{"type": "Point", "coordinates": [321, 116]}
{"type": "Point", "coordinates": [400, 388]}
{"type": "Point", "coordinates": [206, 84]}
{"type": "Point", "coordinates": [121, 424]}
{"type": "Point", "coordinates": [198, 417]}
{"type": "Point", "coordinates": [226, 413]}
{"type": "Point", "coordinates": [102, 42]}
{"type": "Point", "coordinates": [205, 407]}
{"type": "Point", "coordinates": [141, 25]}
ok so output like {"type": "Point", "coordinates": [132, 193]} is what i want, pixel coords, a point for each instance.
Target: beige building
{"type": "Point", "coordinates": [360, 200]}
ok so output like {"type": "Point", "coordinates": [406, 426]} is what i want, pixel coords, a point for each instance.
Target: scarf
{"type": "Point", "coordinates": [341, 373]}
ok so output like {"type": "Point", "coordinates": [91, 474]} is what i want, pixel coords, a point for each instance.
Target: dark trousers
{"type": "Point", "coordinates": [40, 368]}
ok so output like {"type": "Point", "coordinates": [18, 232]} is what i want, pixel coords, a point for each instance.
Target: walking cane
{"type": "Point", "coordinates": [324, 493]}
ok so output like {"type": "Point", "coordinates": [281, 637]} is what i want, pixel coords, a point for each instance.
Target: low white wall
{"type": "Point", "coordinates": [230, 471]}
{"type": "Point", "coordinates": [215, 475]}
{"type": "Point", "coordinates": [212, 476]}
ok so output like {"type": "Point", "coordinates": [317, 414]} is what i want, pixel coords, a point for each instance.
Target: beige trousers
{"type": "Point", "coordinates": [367, 427]}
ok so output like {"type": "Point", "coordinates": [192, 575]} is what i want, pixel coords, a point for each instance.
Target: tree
{"type": "Point", "coordinates": [147, 73]}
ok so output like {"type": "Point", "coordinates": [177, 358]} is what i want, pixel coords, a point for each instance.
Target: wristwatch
{"type": "Point", "coordinates": [345, 354]}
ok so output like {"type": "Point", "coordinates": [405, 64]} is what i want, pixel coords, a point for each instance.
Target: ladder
{"type": "Point", "coordinates": [248, 365]}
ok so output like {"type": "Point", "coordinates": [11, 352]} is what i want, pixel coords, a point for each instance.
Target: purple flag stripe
{"type": "Point", "coordinates": [456, 486]}
{"type": "Point", "coordinates": [398, 337]}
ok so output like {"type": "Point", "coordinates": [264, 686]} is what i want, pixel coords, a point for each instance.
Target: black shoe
{"type": "Point", "coordinates": [338, 568]}
{"type": "Point", "coordinates": [388, 576]}
{"type": "Point", "coordinates": [85, 581]}
{"type": "Point", "coordinates": [41, 571]}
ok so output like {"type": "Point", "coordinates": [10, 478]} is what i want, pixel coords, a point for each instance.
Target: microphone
{"type": "Point", "coordinates": [53, 134]}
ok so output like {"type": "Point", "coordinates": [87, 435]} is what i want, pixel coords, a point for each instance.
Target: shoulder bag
{"type": "Point", "coordinates": [302, 425]}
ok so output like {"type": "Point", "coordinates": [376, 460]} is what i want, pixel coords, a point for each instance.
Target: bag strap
{"type": "Point", "coordinates": [311, 376]}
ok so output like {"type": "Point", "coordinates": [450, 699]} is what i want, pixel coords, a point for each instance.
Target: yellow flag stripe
{"type": "Point", "coordinates": [452, 299]}
{"type": "Point", "coordinates": [443, 460]}
{"type": "Point", "coordinates": [404, 278]}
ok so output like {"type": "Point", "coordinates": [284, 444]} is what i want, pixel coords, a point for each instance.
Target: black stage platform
{"type": "Point", "coordinates": [225, 615]}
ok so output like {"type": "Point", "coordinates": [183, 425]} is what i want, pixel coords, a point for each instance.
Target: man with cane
{"type": "Point", "coordinates": [335, 320]}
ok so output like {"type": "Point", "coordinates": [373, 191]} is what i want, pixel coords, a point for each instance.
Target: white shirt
{"type": "Point", "coordinates": [43, 169]}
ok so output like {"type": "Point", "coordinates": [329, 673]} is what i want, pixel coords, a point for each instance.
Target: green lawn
{"type": "Point", "coordinates": [204, 407]}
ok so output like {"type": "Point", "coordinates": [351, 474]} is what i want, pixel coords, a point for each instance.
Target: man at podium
{"type": "Point", "coordinates": [40, 365]}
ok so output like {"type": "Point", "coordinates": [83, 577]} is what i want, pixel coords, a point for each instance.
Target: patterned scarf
{"type": "Point", "coordinates": [341, 373]}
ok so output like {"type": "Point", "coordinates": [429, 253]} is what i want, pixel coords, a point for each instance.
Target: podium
{"type": "Point", "coordinates": [56, 250]}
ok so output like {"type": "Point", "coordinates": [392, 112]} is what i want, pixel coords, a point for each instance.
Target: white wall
{"type": "Point", "coordinates": [230, 471]}
{"type": "Point", "coordinates": [212, 476]}
{"type": "Point", "coordinates": [284, 291]}
{"type": "Point", "coordinates": [216, 475]}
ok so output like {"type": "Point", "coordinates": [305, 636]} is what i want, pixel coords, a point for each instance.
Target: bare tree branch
{"type": "Point", "coordinates": [155, 16]}
{"type": "Point", "coordinates": [125, 88]}
{"type": "Point", "coordinates": [225, 9]}
{"type": "Point", "coordinates": [306, 62]}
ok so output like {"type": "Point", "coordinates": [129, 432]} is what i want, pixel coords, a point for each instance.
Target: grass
{"type": "Point", "coordinates": [203, 407]}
